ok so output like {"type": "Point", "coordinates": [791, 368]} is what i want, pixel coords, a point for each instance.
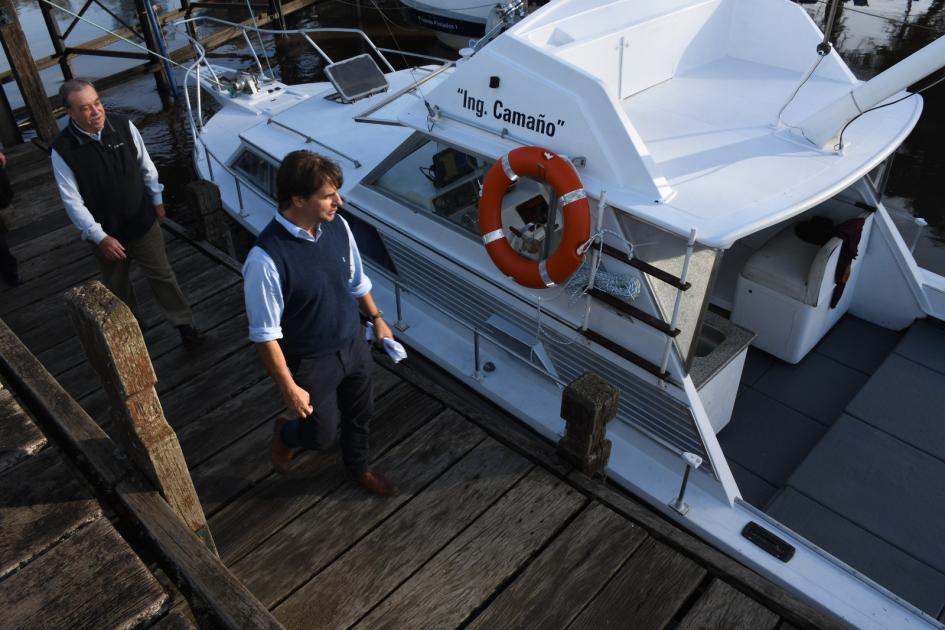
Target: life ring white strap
{"type": "Point", "coordinates": [507, 169]}
{"type": "Point", "coordinates": [494, 235]}
{"type": "Point", "coordinates": [543, 272]}
{"type": "Point", "coordinates": [575, 195]}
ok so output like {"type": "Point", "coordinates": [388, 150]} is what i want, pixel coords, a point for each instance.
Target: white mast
{"type": "Point", "coordinates": [822, 126]}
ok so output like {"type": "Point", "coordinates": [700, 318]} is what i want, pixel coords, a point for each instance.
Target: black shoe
{"type": "Point", "coordinates": [190, 336]}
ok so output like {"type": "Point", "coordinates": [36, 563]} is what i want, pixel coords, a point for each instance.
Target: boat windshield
{"type": "Point", "coordinates": [446, 182]}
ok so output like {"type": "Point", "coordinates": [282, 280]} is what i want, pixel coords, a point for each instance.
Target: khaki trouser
{"type": "Point", "coordinates": [149, 253]}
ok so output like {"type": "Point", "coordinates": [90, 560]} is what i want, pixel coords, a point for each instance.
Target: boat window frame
{"type": "Point", "coordinates": [247, 148]}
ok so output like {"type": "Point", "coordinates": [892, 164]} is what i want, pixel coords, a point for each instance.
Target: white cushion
{"type": "Point", "coordinates": [784, 265]}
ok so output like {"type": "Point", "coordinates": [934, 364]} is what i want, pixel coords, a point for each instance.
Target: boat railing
{"type": "Point", "coordinates": [240, 184]}
{"type": "Point", "coordinates": [188, 28]}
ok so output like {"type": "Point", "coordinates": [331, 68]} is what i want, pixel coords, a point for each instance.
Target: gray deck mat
{"type": "Point", "coordinates": [899, 572]}
{"type": "Point", "coordinates": [925, 344]}
{"type": "Point", "coordinates": [882, 484]}
{"type": "Point", "coordinates": [906, 400]}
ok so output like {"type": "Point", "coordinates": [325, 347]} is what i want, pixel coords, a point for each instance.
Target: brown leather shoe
{"type": "Point", "coordinates": [376, 483]}
{"type": "Point", "coordinates": [280, 453]}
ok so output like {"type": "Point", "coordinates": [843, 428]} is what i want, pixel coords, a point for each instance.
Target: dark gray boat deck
{"type": "Point", "coordinates": [490, 529]}
{"type": "Point", "coordinates": [848, 449]}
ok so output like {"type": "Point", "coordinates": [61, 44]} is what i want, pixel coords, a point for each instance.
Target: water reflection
{"type": "Point", "coordinates": [870, 39]}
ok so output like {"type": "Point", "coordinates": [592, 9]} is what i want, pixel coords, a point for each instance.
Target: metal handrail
{"type": "Point", "coordinates": [477, 333]}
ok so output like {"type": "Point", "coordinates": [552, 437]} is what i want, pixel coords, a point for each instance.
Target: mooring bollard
{"type": "Point", "coordinates": [115, 347]}
{"type": "Point", "coordinates": [587, 405]}
{"type": "Point", "coordinates": [204, 198]}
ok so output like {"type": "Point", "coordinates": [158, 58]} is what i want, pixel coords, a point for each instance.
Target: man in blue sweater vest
{"type": "Point", "coordinates": [304, 285]}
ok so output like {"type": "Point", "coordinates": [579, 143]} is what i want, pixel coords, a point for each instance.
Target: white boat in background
{"type": "Point", "coordinates": [457, 22]}
{"type": "Point", "coordinates": [706, 135]}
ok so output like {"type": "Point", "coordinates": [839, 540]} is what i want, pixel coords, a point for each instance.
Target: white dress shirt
{"type": "Point", "coordinates": [263, 290]}
{"type": "Point", "coordinates": [81, 216]}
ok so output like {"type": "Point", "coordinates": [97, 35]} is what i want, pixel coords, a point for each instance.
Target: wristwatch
{"type": "Point", "coordinates": [378, 315]}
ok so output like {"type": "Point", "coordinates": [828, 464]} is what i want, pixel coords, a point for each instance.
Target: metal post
{"type": "Point", "coordinates": [920, 227]}
{"type": "Point", "coordinates": [209, 163]}
{"type": "Point", "coordinates": [693, 461]}
{"type": "Point", "coordinates": [239, 195]}
{"type": "Point", "coordinates": [162, 81]}
{"type": "Point", "coordinates": [478, 373]}
{"type": "Point", "coordinates": [400, 324]}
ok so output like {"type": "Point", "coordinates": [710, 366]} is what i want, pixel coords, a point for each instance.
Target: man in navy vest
{"type": "Point", "coordinates": [304, 285]}
{"type": "Point", "coordinates": [111, 192]}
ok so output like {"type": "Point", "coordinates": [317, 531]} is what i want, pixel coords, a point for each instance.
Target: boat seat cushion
{"type": "Point", "coordinates": [790, 266]}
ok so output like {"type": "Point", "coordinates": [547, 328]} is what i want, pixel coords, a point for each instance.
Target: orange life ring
{"type": "Point", "coordinates": [560, 174]}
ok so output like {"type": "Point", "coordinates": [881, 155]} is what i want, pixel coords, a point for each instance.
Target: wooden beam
{"type": "Point", "coordinates": [24, 70]}
{"type": "Point", "coordinates": [115, 347]}
{"type": "Point", "coordinates": [217, 598]}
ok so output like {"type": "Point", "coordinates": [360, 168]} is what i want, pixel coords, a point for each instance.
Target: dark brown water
{"type": "Point", "coordinates": [870, 38]}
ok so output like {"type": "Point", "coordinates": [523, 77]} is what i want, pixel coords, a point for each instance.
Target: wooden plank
{"type": "Point", "coordinates": [459, 579]}
{"type": "Point", "coordinates": [44, 323]}
{"type": "Point", "coordinates": [235, 418]}
{"type": "Point", "coordinates": [647, 591]}
{"type": "Point", "coordinates": [91, 580]}
{"type": "Point", "coordinates": [248, 435]}
{"type": "Point", "coordinates": [174, 620]}
{"type": "Point", "coordinates": [349, 587]}
{"type": "Point", "coordinates": [160, 338]}
{"type": "Point", "coordinates": [269, 505]}
{"type": "Point", "coordinates": [41, 501]}
{"type": "Point", "coordinates": [56, 283]}
{"type": "Point", "coordinates": [218, 598]}
{"type": "Point", "coordinates": [180, 364]}
{"type": "Point", "coordinates": [567, 575]}
{"type": "Point", "coordinates": [721, 606]}
{"type": "Point", "coordinates": [344, 516]}
{"type": "Point", "coordinates": [19, 436]}
{"type": "Point", "coordinates": [512, 433]}
{"type": "Point", "coordinates": [37, 229]}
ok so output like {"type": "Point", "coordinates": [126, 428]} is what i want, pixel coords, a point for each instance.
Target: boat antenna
{"type": "Point", "coordinates": [259, 38]}
{"type": "Point", "coordinates": [823, 49]}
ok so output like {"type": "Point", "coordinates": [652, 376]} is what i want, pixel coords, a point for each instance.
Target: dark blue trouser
{"type": "Point", "coordinates": [339, 385]}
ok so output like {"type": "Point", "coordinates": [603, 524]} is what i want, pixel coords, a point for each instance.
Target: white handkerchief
{"type": "Point", "coordinates": [393, 348]}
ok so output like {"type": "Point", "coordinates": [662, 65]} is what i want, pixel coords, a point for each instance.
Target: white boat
{"type": "Point", "coordinates": [457, 22]}
{"type": "Point", "coordinates": [706, 135]}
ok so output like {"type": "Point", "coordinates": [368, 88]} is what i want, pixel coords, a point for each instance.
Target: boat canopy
{"type": "Point", "coordinates": [675, 105]}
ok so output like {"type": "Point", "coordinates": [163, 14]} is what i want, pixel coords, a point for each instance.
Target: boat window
{"type": "Point", "coordinates": [257, 170]}
{"type": "Point", "coordinates": [445, 182]}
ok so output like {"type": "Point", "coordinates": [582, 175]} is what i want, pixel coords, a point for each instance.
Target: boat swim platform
{"type": "Point", "coordinates": [490, 528]}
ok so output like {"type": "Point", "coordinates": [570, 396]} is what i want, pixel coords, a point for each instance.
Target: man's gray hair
{"type": "Point", "coordinates": [70, 87]}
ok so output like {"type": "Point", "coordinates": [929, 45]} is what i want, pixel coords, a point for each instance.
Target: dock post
{"type": "Point", "coordinates": [204, 198]}
{"type": "Point", "coordinates": [587, 405]}
{"type": "Point", "coordinates": [115, 347]}
{"type": "Point", "coordinates": [58, 42]}
{"type": "Point", "coordinates": [150, 40]}
{"type": "Point", "coordinates": [25, 73]}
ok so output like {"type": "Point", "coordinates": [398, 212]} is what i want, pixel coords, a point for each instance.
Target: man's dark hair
{"type": "Point", "coordinates": [70, 87]}
{"type": "Point", "coordinates": [302, 173]}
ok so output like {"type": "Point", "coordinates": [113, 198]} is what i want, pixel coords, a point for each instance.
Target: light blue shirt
{"type": "Point", "coordinates": [263, 291]}
{"type": "Point", "coordinates": [79, 214]}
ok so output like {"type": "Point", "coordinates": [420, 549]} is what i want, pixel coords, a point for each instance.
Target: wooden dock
{"type": "Point", "coordinates": [62, 562]}
{"type": "Point", "coordinates": [490, 529]}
